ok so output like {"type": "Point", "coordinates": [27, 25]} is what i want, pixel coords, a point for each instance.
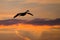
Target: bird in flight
{"type": "Point", "coordinates": [23, 14]}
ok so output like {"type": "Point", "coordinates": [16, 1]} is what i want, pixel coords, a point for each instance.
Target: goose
{"type": "Point", "coordinates": [23, 14]}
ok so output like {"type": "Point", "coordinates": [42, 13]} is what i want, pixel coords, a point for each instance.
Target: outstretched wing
{"type": "Point", "coordinates": [15, 15]}
{"type": "Point", "coordinates": [30, 14]}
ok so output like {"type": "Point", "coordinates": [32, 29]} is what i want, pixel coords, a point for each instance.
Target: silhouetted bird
{"type": "Point", "coordinates": [23, 14]}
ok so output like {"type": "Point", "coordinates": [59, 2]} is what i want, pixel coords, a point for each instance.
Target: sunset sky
{"type": "Point", "coordinates": [46, 20]}
{"type": "Point", "coordinates": [49, 9]}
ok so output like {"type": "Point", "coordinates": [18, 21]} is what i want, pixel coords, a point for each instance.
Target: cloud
{"type": "Point", "coordinates": [44, 1]}
{"type": "Point", "coordinates": [11, 0]}
{"type": "Point", "coordinates": [36, 21]}
{"type": "Point", "coordinates": [9, 4]}
{"type": "Point", "coordinates": [52, 10]}
{"type": "Point", "coordinates": [44, 22]}
{"type": "Point", "coordinates": [11, 21]}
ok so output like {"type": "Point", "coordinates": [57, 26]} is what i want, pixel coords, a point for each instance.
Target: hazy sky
{"type": "Point", "coordinates": [40, 8]}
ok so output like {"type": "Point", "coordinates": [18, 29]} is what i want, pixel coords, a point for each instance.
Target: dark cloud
{"type": "Point", "coordinates": [45, 22]}
{"type": "Point", "coordinates": [11, 21]}
{"type": "Point", "coordinates": [36, 21]}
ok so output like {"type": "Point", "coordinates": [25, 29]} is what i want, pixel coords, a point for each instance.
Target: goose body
{"type": "Point", "coordinates": [22, 14]}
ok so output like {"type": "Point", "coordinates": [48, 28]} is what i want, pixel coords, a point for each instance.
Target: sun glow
{"type": "Point", "coordinates": [22, 29]}
{"type": "Point", "coordinates": [28, 27]}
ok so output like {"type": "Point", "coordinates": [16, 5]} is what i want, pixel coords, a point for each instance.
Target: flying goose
{"type": "Point", "coordinates": [23, 14]}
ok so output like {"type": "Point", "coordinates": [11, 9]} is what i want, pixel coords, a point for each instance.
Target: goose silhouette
{"type": "Point", "coordinates": [23, 14]}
